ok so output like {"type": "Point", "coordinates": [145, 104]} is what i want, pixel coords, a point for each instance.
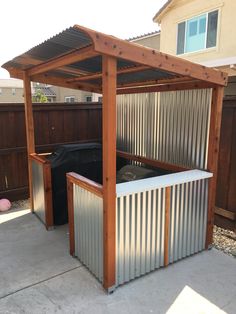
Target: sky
{"type": "Point", "coordinates": [26, 23]}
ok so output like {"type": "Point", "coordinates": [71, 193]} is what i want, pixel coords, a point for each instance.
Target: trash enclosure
{"type": "Point", "coordinates": [161, 115]}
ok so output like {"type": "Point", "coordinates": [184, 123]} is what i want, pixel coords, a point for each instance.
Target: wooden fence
{"type": "Point", "coordinates": [55, 124]}
{"type": "Point", "coordinates": [226, 181]}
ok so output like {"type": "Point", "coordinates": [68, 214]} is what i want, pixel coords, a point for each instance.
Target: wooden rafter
{"type": "Point", "coordinates": [26, 60]}
{"type": "Point", "coordinates": [99, 75]}
{"type": "Point", "coordinates": [69, 58]}
{"type": "Point", "coordinates": [165, 87]}
{"type": "Point", "coordinates": [109, 45]}
{"type": "Point", "coordinates": [56, 81]}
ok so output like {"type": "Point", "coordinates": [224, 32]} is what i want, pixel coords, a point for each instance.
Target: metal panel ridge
{"type": "Point", "coordinates": [139, 234]}
{"type": "Point", "coordinates": [171, 127]}
{"type": "Point", "coordinates": [88, 224]}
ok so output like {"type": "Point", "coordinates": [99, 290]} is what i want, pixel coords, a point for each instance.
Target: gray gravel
{"type": "Point", "coordinates": [21, 204]}
{"type": "Point", "coordinates": [224, 240]}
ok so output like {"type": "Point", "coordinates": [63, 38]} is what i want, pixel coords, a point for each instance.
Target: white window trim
{"type": "Point", "coordinates": [90, 97]}
{"type": "Point", "coordinates": [69, 97]}
{"type": "Point", "coordinates": [215, 48]}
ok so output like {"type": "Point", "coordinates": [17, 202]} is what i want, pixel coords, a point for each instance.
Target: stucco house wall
{"type": "Point", "coordinates": [181, 10]}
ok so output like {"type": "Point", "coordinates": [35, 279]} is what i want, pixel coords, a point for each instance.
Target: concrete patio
{"type": "Point", "coordinates": [37, 275]}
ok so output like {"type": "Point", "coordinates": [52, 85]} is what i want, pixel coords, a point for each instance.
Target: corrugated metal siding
{"type": "Point", "coordinates": [88, 223]}
{"type": "Point", "coordinates": [169, 126]}
{"type": "Point", "coordinates": [188, 219]}
{"type": "Point", "coordinates": [139, 234]}
{"type": "Point", "coordinates": [38, 190]}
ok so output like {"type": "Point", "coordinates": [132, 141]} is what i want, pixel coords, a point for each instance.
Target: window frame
{"type": "Point", "coordinates": [69, 98]}
{"type": "Point", "coordinates": [206, 33]}
{"type": "Point", "coordinates": [88, 96]}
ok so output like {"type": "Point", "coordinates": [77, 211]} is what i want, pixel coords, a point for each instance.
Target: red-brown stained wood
{"type": "Point", "coordinates": [66, 59]}
{"type": "Point", "coordinates": [48, 194]}
{"type": "Point", "coordinates": [118, 48]}
{"type": "Point", "coordinates": [167, 226]}
{"type": "Point", "coordinates": [165, 87]}
{"type": "Point", "coordinates": [86, 183]}
{"type": "Point", "coordinates": [232, 177]}
{"type": "Point", "coordinates": [152, 162]}
{"type": "Point", "coordinates": [81, 123]}
{"type": "Point", "coordinates": [109, 171]}
{"type": "Point", "coordinates": [99, 75]}
{"type": "Point", "coordinates": [70, 205]}
{"type": "Point", "coordinates": [223, 176]}
{"type": "Point", "coordinates": [29, 123]}
{"type": "Point", "coordinates": [213, 152]}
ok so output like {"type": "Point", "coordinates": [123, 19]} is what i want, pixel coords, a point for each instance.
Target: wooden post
{"type": "Point", "coordinates": [29, 123]}
{"type": "Point", "coordinates": [212, 161]}
{"type": "Point", "coordinates": [70, 205]}
{"type": "Point", "coordinates": [109, 170]}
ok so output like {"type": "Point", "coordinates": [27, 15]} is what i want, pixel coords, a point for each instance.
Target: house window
{"type": "Point", "coordinates": [197, 33]}
{"type": "Point", "coordinates": [70, 99]}
{"type": "Point", "coordinates": [100, 99]}
{"type": "Point", "coordinates": [13, 91]}
{"type": "Point", "coordinates": [88, 98]}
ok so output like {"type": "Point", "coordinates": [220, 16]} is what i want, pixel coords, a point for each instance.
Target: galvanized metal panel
{"type": "Point", "coordinates": [38, 190]}
{"type": "Point", "coordinates": [139, 234]}
{"type": "Point", "coordinates": [169, 126]}
{"type": "Point", "coordinates": [188, 219]}
{"type": "Point", "coordinates": [88, 224]}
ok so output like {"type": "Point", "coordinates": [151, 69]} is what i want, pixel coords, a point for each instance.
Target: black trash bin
{"type": "Point", "coordinates": [84, 159]}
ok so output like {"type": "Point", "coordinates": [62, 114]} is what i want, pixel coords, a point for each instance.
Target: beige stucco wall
{"type": "Point", "coordinates": [185, 9]}
{"type": "Point", "coordinates": [152, 41]}
{"type": "Point", "coordinates": [7, 96]}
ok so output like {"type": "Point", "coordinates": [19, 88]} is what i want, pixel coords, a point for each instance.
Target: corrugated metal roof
{"type": "Point", "coordinates": [77, 38]}
{"type": "Point", "coordinates": [62, 43]}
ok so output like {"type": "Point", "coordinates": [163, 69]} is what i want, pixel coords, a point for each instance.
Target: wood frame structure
{"type": "Point", "coordinates": [111, 66]}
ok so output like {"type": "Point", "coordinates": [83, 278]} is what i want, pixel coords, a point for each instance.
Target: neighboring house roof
{"type": "Point", "coordinates": [144, 35]}
{"type": "Point", "coordinates": [47, 91]}
{"type": "Point", "coordinates": [162, 9]}
{"type": "Point", "coordinates": [11, 83]}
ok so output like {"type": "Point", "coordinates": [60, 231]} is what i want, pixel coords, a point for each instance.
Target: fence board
{"type": "Point", "coordinates": [55, 124]}
{"type": "Point", "coordinates": [226, 180]}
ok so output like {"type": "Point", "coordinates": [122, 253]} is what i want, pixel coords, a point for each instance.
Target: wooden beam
{"type": "Point", "coordinates": [225, 213]}
{"type": "Point", "coordinates": [99, 75]}
{"type": "Point", "coordinates": [165, 87]}
{"type": "Point", "coordinates": [70, 206]}
{"type": "Point", "coordinates": [152, 162]}
{"type": "Point", "coordinates": [58, 81]}
{"type": "Point", "coordinates": [29, 123]}
{"type": "Point", "coordinates": [47, 180]}
{"type": "Point", "coordinates": [157, 82]}
{"type": "Point", "coordinates": [213, 152]}
{"type": "Point", "coordinates": [109, 171]}
{"type": "Point", "coordinates": [167, 225]}
{"type": "Point", "coordinates": [69, 58]}
{"type": "Point", "coordinates": [47, 78]}
{"type": "Point", "coordinates": [118, 48]}
{"type": "Point", "coordinates": [86, 183]}
{"type": "Point", "coordinates": [26, 60]}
